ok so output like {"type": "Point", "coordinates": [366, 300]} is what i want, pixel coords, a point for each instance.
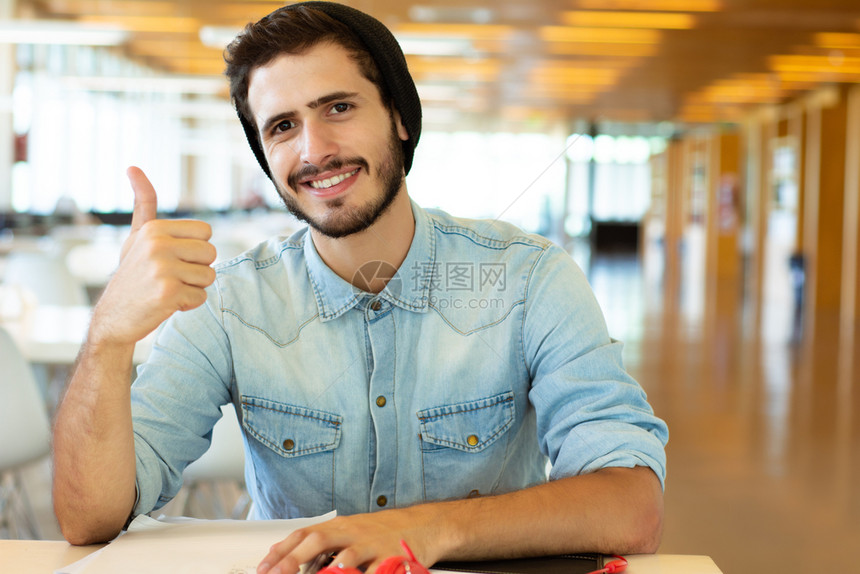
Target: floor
{"type": "Point", "coordinates": [764, 456]}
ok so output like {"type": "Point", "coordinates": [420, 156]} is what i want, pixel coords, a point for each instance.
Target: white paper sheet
{"type": "Point", "coordinates": [185, 545]}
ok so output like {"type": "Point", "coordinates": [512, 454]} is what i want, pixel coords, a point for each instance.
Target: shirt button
{"type": "Point", "coordinates": [380, 401]}
{"type": "Point", "coordinates": [289, 444]}
{"type": "Point", "coordinates": [472, 440]}
{"type": "Point", "coordinates": [376, 305]}
{"type": "Point", "coordinates": [381, 500]}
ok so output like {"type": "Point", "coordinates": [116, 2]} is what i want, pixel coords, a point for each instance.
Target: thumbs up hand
{"type": "Point", "coordinates": [164, 267]}
{"type": "Point", "coordinates": [145, 203]}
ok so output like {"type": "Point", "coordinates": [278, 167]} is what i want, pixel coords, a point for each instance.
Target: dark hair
{"type": "Point", "coordinates": [291, 30]}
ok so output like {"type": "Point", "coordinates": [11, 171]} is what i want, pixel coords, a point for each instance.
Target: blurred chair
{"type": "Point", "coordinates": [226, 249]}
{"type": "Point", "coordinates": [25, 435]}
{"type": "Point", "coordinates": [93, 264]}
{"type": "Point", "coordinates": [224, 462]}
{"type": "Point", "coordinates": [47, 277]}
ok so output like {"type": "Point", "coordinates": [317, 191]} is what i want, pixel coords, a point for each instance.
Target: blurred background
{"type": "Point", "coordinates": [700, 159]}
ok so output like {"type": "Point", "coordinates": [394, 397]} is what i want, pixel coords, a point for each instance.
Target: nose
{"type": "Point", "coordinates": [318, 144]}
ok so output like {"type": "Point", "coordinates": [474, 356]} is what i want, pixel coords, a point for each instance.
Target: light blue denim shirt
{"type": "Point", "coordinates": [485, 357]}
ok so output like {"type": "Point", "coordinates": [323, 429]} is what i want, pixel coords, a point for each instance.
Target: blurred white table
{"type": "Point", "coordinates": [53, 334]}
{"type": "Point", "coordinates": [44, 557]}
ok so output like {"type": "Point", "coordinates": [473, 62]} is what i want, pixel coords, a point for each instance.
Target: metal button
{"type": "Point", "coordinates": [472, 440]}
{"type": "Point", "coordinates": [473, 494]}
{"type": "Point", "coordinates": [380, 401]}
{"type": "Point", "coordinates": [376, 305]}
{"type": "Point", "coordinates": [381, 500]}
{"type": "Point", "coordinates": [289, 444]}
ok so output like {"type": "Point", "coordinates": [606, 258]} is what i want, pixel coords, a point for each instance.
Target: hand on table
{"type": "Point", "coordinates": [164, 267]}
{"type": "Point", "coordinates": [361, 540]}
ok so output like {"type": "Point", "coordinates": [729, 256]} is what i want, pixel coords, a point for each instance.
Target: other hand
{"type": "Point", "coordinates": [361, 540]}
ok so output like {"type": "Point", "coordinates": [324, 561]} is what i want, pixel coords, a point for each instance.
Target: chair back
{"type": "Point", "coordinates": [225, 459]}
{"type": "Point", "coordinates": [25, 431]}
{"type": "Point", "coordinates": [45, 276]}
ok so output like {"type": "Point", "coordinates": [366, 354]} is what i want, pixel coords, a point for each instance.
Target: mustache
{"type": "Point", "coordinates": [310, 170]}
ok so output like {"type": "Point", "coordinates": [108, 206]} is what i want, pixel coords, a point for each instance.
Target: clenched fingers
{"type": "Point", "coordinates": [303, 546]}
{"type": "Point", "coordinates": [183, 228]}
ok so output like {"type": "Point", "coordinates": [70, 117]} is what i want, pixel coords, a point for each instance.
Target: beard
{"type": "Point", "coordinates": [342, 220]}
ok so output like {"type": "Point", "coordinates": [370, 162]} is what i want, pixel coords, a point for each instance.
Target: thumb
{"type": "Point", "coordinates": [145, 200]}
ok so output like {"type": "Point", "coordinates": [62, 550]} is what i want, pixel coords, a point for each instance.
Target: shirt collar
{"type": "Point", "coordinates": [408, 289]}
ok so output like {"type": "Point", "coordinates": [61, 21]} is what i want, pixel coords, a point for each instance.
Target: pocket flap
{"type": "Point", "coordinates": [290, 430]}
{"type": "Point", "coordinates": [471, 426]}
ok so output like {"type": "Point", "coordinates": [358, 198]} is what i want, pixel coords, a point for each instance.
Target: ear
{"type": "Point", "coordinates": [401, 130]}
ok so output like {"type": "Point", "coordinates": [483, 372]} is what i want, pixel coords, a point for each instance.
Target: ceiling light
{"type": "Point", "coordinates": [60, 32]}
{"type": "Point", "coordinates": [661, 5]}
{"type": "Point", "coordinates": [576, 78]}
{"type": "Point", "coordinates": [818, 77]}
{"type": "Point", "coordinates": [466, 31]}
{"type": "Point", "coordinates": [821, 63]}
{"type": "Point", "coordinates": [421, 13]}
{"type": "Point", "coordinates": [160, 24]}
{"type": "Point", "coordinates": [837, 40]}
{"type": "Point", "coordinates": [117, 7]}
{"type": "Point", "coordinates": [650, 20]}
{"type": "Point", "coordinates": [599, 35]}
{"type": "Point", "coordinates": [593, 49]}
{"type": "Point", "coordinates": [421, 46]}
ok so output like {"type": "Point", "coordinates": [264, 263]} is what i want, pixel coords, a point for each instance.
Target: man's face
{"type": "Point", "coordinates": [333, 147]}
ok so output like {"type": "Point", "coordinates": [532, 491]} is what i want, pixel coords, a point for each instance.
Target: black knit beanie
{"type": "Point", "coordinates": [389, 58]}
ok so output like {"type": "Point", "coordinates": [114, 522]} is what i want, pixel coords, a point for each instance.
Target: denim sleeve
{"type": "Point", "coordinates": [176, 400]}
{"type": "Point", "coordinates": [591, 413]}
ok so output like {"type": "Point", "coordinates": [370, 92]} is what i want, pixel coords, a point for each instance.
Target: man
{"type": "Point", "coordinates": [409, 369]}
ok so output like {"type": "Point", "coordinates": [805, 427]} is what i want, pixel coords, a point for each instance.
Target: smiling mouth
{"type": "Point", "coordinates": [332, 181]}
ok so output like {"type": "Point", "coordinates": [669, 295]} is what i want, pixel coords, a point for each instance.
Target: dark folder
{"type": "Point", "coordinates": [562, 564]}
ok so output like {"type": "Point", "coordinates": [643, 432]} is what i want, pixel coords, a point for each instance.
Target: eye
{"type": "Point", "coordinates": [283, 126]}
{"type": "Point", "coordinates": [340, 108]}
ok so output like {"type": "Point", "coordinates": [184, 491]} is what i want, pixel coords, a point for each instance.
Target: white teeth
{"type": "Point", "coordinates": [326, 183]}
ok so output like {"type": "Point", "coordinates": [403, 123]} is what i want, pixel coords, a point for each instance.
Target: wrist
{"type": "Point", "coordinates": [103, 342]}
{"type": "Point", "coordinates": [448, 527]}
{"type": "Point", "coordinates": [108, 330]}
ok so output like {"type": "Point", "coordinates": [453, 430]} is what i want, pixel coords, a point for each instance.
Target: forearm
{"type": "Point", "coordinates": [94, 463]}
{"type": "Point", "coordinates": [615, 510]}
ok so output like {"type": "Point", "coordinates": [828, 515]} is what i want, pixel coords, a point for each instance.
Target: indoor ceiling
{"type": "Point", "coordinates": [538, 61]}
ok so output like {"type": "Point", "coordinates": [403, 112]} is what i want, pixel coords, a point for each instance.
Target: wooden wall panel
{"type": "Point", "coordinates": [850, 301]}
{"type": "Point", "coordinates": [824, 203]}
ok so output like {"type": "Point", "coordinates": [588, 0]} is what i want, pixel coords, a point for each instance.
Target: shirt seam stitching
{"type": "Point", "coordinates": [252, 405]}
{"type": "Point", "coordinates": [265, 333]}
{"type": "Point", "coordinates": [505, 399]}
{"type": "Point", "coordinates": [525, 308]}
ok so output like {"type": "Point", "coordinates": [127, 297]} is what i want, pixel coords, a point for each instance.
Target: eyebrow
{"type": "Point", "coordinates": [314, 104]}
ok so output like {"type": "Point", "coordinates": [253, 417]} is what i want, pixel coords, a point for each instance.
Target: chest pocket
{"type": "Point", "coordinates": [296, 443]}
{"type": "Point", "coordinates": [463, 446]}
{"type": "Point", "coordinates": [288, 430]}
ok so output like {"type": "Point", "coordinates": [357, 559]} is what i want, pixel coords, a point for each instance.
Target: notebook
{"type": "Point", "coordinates": [561, 564]}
